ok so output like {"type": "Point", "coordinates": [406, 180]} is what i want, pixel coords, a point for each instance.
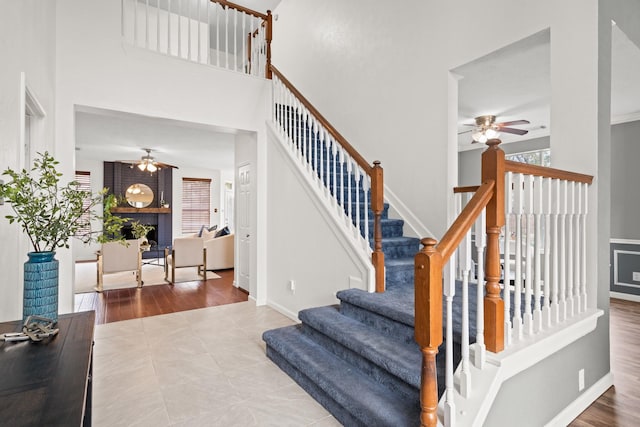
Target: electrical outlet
{"type": "Point", "coordinates": [292, 286]}
{"type": "Point", "coordinates": [581, 380]}
{"type": "Point", "coordinates": [636, 276]}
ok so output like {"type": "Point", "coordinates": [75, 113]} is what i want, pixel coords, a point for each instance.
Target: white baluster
{"type": "Point", "coordinates": [506, 294]}
{"type": "Point", "coordinates": [334, 153]}
{"type": "Point", "coordinates": [226, 37]}
{"type": "Point", "coordinates": [570, 216]}
{"type": "Point", "coordinates": [365, 189]}
{"type": "Point", "coordinates": [537, 290]}
{"type": "Point", "coordinates": [563, 252]}
{"type": "Point", "coordinates": [235, 40]}
{"type": "Point", "coordinates": [585, 210]}
{"type": "Point", "coordinates": [546, 211]}
{"type": "Point", "coordinates": [528, 281]}
{"type": "Point", "coordinates": [244, 43]}
{"type": "Point", "coordinates": [555, 293]}
{"type": "Point", "coordinates": [349, 202]}
{"type": "Point", "coordinates": [344, 208]}
{"type": "Point", "coordinates": [199, 27]}
{"type": "Point", "coordinates": [465, 267]}
{"type": "Point", "coordinates": [449, 293]}
{"type": "Point", "coordinates": [208, 11]}
{"type": "Point", "coordinates": [307, 129]}
{"type": "Point", "coordinates": [146, 24]}
{"type": "Point", "coordinates": [217, 36]}
{"type": "Point", "coordinates": [577, 194]}
{"type": "Point", "coordinates": [481, 242]}
{"type": "Point", "coordinates": [517, 293]}
{"type": "Point", "coordinates": [356, 177]}
{"type": "Point", "coordinates": [189, 31]}
{"type": "Point", "coordinates": [179, 28]}
{"type": "Point", "coordinates": [158, 26]}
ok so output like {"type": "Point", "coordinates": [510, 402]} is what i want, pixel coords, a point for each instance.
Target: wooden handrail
{"type": "Point", "coordinates": [468, 189]}
{"type": "Point", "coordinates": [374, 171]}
{"type": "Point", "coordinates": [325, 123]}
{"type": "Point", "coordinates": [239, 8]}
{"type": "Point", "coordinates": [454, 235]}
{"type": "Point", "coordinates": [545, 172]}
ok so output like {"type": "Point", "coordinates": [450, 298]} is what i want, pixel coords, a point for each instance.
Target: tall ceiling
{"type": "Point", "coordinates": [514, 83]}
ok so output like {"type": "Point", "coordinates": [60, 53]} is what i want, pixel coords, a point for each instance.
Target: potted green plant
{"type": "Point", "coordinates": [50, 214]}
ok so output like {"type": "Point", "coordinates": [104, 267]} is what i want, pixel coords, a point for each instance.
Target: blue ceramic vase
{"type": "Point", "coordinates": [41, 285]}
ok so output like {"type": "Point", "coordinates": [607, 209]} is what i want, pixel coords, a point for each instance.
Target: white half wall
{"type": "Point", "coordinates": [309, 259]}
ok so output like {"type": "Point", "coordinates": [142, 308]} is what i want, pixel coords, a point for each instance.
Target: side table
{"type": "Point", "coordinates": [48, 383]}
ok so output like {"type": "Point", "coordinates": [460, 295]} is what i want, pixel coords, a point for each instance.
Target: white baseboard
{"type": "Point", "coordinates": [583, 401]}
{"type": "Point", "coordinates": [622, 295]}
{"type": "Point", "coordinates": [280, 309]}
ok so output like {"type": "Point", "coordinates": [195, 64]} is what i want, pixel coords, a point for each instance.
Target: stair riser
{"type": "Point", "coordinates": [399, 276]}
{"type": "Point", "coordinates": [383, 324]}
{"type": "Point", "coordinates": [389, 229]}
{"type": "Point", "coordinates": [338, 412]}
{"type": "Point", "coordinates": [393, 250]}
{"type": "Point", "coordinates": [379, 374]}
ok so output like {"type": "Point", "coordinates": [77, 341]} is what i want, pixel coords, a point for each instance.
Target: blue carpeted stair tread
{"type": "Point", "coordinates": [400, 359]}
{"type": "Point", "coordinates": [396, 304]}
{"type": "Point", "coordinates": [369, 402]}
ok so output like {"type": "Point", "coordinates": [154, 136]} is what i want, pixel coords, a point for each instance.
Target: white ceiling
{"type": "Point", "coordinates": [108, 135]}
{"type": "Point", "coordinates": [514, 83]}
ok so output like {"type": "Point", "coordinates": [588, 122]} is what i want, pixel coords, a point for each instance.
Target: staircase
{"type": "Point", "coordinates": [359, 358]}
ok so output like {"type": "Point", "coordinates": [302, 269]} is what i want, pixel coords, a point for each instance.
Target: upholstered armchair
{"type": "Point", "coordinates": [186, 252]}
{"type": "Point", "coordinates": [115, 257]}
{"type": "Point", "coordinates": [220, 252]}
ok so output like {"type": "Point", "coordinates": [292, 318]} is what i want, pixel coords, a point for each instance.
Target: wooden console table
{"type": "Point", "coordinates": [48, 384]}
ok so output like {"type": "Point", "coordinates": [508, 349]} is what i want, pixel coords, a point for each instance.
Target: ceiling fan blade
{"type": "Point", "coordinates": [514, 122]}
{"type": "Point", "coordinates": [127, 161]}
{"type": "Point", "coordinates": [469, 124]}
{"type": "Point", "coordinates": [165, 165]}
{"type": "Point", "coordinates": [466, 131]}
{"type": "Point", "coordinates": [514, 131]}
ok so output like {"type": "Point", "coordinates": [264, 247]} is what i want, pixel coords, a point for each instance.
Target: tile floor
{"type": "Point", "coordinates": [203, 367]}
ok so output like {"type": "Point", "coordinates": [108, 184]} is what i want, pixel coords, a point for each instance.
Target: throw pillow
{"type": "Point", "coordinates": [205, 228]}
{"type": "Point", "coordinates": [206, 234]}
{"type": "Point", "coordinates": [223, 232]}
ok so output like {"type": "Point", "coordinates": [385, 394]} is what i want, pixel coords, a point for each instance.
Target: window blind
{"type": "Point", "coordinates": [196, 202]}
{"type": "Point", "coordinates": [83, 178]}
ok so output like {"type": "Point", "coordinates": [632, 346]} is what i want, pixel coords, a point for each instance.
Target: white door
{"type": "Point", "coordinates": [244, 226]}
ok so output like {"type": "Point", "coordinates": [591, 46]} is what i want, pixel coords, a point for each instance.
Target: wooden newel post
{"type": "Point", "coordinates": [493, 169]}
{"type": "Point", "coordinates": [428, 325]}
{"type": "Point", "coordinates": [377, 206]}
{"type": "Point", "coordinates": [268, 38]}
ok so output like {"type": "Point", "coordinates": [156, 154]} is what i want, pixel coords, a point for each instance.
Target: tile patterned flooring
{"type": "Point", "coordinates": [204, 367]}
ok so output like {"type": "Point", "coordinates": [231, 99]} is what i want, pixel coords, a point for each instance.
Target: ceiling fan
{"type": "Point", "coordinates": [486, 128]}
{"type": "Point", "coordinates": [148, 163]}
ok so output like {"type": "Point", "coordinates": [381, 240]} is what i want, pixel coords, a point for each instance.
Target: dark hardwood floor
{"type": "Point", "coordinates": [620, 405]}
{"type": "Point", "coordinates": [132, 303]}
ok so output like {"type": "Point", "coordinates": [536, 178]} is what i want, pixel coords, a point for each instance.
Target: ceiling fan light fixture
{"type": "Point", "coordinates": [142, 166]}
{"type": "Point", "coordinates": [491, 133]}
{"type": "Point", "coordinates": [151, 167]}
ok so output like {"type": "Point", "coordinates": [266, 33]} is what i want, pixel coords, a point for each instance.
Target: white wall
{"type": "Point", "coordinates": [99, 70]}
{"type": "Point", "coordinates": [27, 44]}
{"type": "Point", "coordinates": [305, 244]}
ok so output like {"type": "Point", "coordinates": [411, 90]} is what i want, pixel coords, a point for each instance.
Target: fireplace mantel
{"type": "Point", "coordinates": [130, 210]}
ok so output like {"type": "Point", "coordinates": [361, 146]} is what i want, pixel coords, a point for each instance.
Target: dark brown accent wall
{"type": "Point", "coordinates": [119, 176]}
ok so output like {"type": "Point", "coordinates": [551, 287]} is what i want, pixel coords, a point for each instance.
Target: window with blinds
{"type": "Point", "coordinates": [84, 180]}
{"type": "Point", "coordinates": [196, 202]}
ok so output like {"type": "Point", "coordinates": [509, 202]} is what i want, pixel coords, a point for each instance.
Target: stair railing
{"type": "Point", "coordinates": [214, 32]}
{"type": "Point", "coordinates": [328, 156]}
{"type": "Point", "coordinates": [543, 212]}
